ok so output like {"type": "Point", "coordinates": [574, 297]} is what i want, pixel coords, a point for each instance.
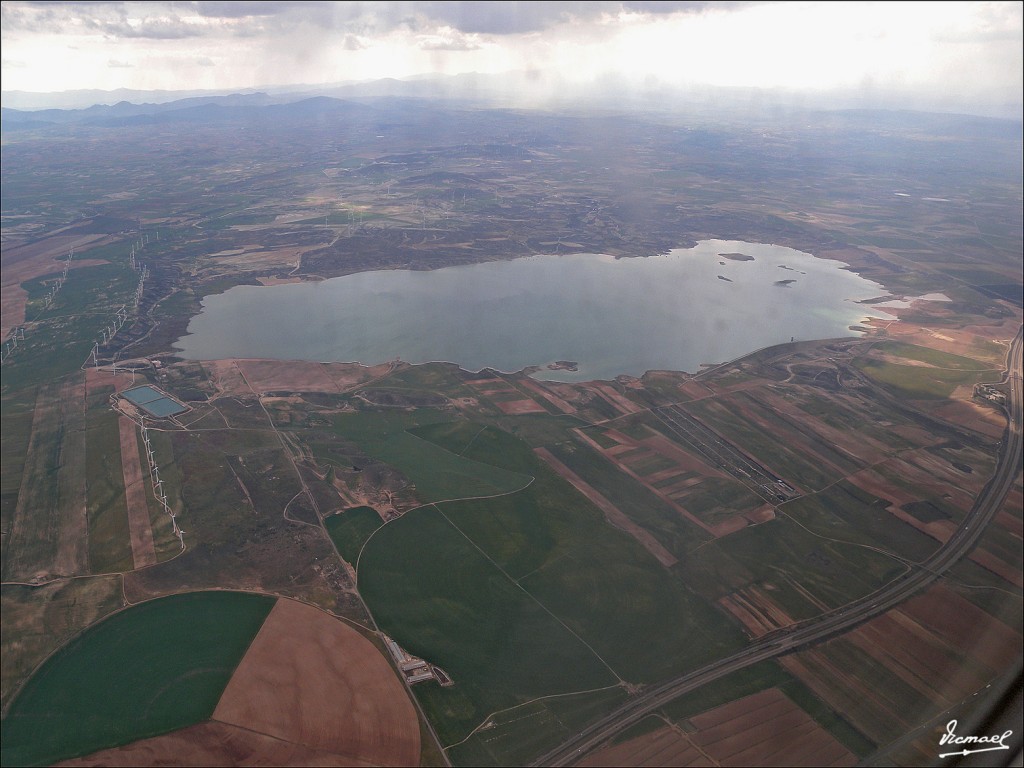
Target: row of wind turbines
{"type": "Point", "coordinates": [108, 332]}
{"type": "Point", "coordinates": [11, 344]}
{"type": "Point", "coordinates": [158, 484]}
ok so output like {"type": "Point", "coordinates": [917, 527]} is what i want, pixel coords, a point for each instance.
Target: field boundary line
{"type": "Point", "coordinates": [530, 595]}
{"type": "Point", "coordinates": [905, 560]}
{"type": "Point", "coordinates": [497, 712]}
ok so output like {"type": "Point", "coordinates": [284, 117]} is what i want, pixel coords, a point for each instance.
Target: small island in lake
{"type": "Point", "coordinates": [564, 365]}
{"type": "Point", "coordinates": [784, 283]}
{"type": "Point", "coordinates": [736, 256]}
{"type": "Point", "coordinates": [723, 277]}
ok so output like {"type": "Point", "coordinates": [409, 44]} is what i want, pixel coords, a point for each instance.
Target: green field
{"type": "Point", "coordinates": [109, 544]}
{"type": "Point", "coordinates": [18, 415]}
{"type": "Point", "coordinates": [350, 529]}
{"type": "Point", "coordinates": [55, 471]}
{"type": "Point", "coordinates": [59, 338]}
{"type": "Point", "coordinates": [782, 552]}
{"type": "Point", "coordinates": [438, 474]}
{"type": "Point", "coordinates": [677, 534]}
{"type": "Point", "coordinates": [443, 600]}
{"type": "Point", "coordinates": [524, 595]}
{"type": "Point", "coordinates": [930, 356]}
{"type": "Point", "coordinates": [524, 732]}
{"type": "Point", "coordinates": [38, 620]}
{"type": "Point", "coordinates": [148, 670]}
{"type": "Point", "coordinates": [847, 513]}
{"type": "Point", "coordinates": [919, 382]}
{"type": "Point", "coordinates": [493, 566]}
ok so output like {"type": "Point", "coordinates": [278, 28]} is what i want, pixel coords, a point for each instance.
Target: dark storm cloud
{"type": "Point", "coordinates": [115, 20]}
{"type": "Point", "coordinates": [151, 29]}
{"type": "Point", "coordinates": [241, 9]}
{"type": "Point", "coordinates": [509, 18]}
{"type": "Point", "coordinates": [172, 20]}
{"type": "Point", "coordinates": [655, 7]}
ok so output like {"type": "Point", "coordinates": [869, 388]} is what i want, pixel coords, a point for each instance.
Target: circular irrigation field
{"type": "Point", "coordinates": [214, 678]}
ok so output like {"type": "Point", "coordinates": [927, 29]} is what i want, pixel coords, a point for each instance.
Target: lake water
{"type": "Point", "coordinates": [611, 316]}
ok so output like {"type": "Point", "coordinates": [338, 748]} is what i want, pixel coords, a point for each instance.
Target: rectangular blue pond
{"type": "Point", "coordinates": [153, 401]}
{"type": "Point", "coordinates": [162, 407]}
{"type": "Point", "coordinates": [141, 395]}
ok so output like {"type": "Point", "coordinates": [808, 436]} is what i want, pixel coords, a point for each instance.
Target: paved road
{"type": "Point", "coordinates": [840, 620]}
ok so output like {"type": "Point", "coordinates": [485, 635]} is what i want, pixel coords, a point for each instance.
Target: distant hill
{"type": "Point", "coordinates": [526, 89]}
{"type": "Point", "coordinates": [205, 110]}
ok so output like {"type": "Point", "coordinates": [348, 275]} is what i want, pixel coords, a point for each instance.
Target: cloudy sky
{"type": "Point", "coordinates": [956, 54]}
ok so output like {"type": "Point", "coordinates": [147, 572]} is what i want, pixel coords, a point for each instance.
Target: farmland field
{"type": "Point", "coordinates": [552, 552]}
{"type": "Point", "coordinates": [145, 671]}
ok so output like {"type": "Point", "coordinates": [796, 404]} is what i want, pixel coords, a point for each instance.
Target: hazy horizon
{"type": "Point", "coordinates": [943, 57]}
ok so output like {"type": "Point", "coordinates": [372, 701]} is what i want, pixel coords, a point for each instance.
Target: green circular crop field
{"type": "Point", "coordinates": [147, 670]}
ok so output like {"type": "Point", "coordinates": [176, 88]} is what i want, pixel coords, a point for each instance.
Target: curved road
{"type": "Point", "coordinates": [837, 621]}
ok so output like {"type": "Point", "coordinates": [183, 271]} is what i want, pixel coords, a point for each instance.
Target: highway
{"type": "Point", "coordinates": [842, 619]}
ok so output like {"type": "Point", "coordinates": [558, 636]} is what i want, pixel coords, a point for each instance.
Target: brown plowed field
{"type": "Point", "coordinates": [1004, 570]}
{"type": "Point", "coordinates": [691, 463]}
{"type": "Point", "coordinates": [242, 377]}
{"type": "Point", "coordinates": [730, 525]}
{"type": "Point", "coordinates": [516, 407]}
{"type": "Point", "coordinates": [972, 415]}
{"type": "Point", "coordinates": [1012, 524]}
{"type": "Point", "coordinates": [693, 390]}
{"type": "Point", "coordinates": [766, 729]}
{"type": "Point", "coordinates": [615, 399]}
{"type": "Point", "coordinates": [665, 747]}
{"type": "Point", "coordinates": [214, 744]}
{"type": "Point", "coordinates": [964, 626]}
{"type": "Point", "coordinates": [311, 680]}
{"type": "Point", "coordinates": [759, 730]}
{"type": "Point", "coordinates": [309, 691]}
{"type": "Point", "coordinates": [938, 644]}
{"type": "Point", "coordinates": [756, 611]}
{"type": "Point", "coordinates": [552, 398]}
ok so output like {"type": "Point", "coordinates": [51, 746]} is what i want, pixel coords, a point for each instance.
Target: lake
{"type": "Point", "coordinates": [707, 304]}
